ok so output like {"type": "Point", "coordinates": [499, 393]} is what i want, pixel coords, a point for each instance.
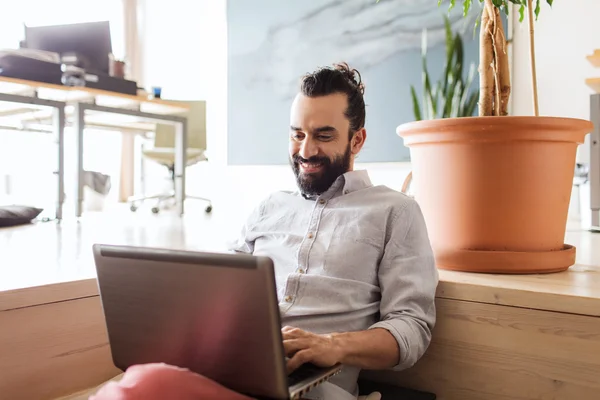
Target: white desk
{"type": "Point", "coordinates": [83, 107]}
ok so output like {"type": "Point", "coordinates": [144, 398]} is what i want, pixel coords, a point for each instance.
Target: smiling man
{"type": "Point", "coordinates": [355, 272]}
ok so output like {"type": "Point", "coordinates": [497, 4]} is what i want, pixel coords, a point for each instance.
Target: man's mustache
{"type": "Point", "coordinates": [313, 160]}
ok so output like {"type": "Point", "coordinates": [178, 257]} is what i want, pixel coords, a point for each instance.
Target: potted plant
{"type": "Point", "coordinates": [495, 189]}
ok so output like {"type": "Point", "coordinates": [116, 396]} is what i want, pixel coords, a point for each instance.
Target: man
{"type": "Point", "coordinates": [355, 272]}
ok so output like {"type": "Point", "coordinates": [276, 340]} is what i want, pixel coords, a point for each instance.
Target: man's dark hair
{"type": "Point", "coordinates": [339, 79]}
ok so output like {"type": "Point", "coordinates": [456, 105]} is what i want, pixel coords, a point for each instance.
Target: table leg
{"type": "Point", "coordinates": [181, 134]}
{"type": "Point", "coordinates": [126, 185]}
{"type": "Point", "coordinates": [59, 129]}
{"type": "Point", "coordinates": [79, 126]}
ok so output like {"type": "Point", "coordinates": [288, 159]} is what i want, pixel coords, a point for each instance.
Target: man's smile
{"type": "Point", "coordinates": [310, 167]}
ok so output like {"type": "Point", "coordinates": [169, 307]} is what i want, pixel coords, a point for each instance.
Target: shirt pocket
{"type": "Point", "coordinates": [354, 252]}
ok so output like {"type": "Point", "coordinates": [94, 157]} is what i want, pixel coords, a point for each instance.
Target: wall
{"type": "Point", "coordinates": [564, 35]}
{"type": "Point", "coordinates": [185, 54]}
{"type": "Point", "coordinates": [271, 43]}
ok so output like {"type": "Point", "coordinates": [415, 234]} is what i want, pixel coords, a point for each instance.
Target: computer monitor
{"type": "Point", "coordinates": [89, 40]}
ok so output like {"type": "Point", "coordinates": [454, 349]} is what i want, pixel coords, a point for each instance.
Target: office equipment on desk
{"type": "Point", "coordinates": [86, 45]}
{"type": "Point", "coordinates": [163, 152]}
{"type": "Point", "coordinates": [83, 57]}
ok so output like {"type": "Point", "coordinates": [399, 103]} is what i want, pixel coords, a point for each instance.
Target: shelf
{"type": "Point", "coordinates": [594, 84]}
{"type": "Point", "coordinates": [594, 59]}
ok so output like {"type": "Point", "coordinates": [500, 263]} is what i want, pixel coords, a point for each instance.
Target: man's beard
{"type": "Point", "coordinates": [314, 184]}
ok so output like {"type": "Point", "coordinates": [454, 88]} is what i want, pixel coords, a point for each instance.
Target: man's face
{"type": "Point", "coordinates": [320, 146]}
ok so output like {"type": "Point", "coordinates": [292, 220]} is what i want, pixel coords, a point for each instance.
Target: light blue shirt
{"type": "Point", "coordinates": [356, 257]}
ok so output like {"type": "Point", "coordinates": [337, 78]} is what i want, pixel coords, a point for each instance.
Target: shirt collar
{"type": "Point", "coordinates": [347, 183]}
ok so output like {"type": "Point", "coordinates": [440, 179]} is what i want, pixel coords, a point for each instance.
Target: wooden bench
{"type": "Point", "coordinates": [497, 337]}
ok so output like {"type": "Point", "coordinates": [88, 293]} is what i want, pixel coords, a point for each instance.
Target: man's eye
{"type": "Point", "coordinates": [325, 137]}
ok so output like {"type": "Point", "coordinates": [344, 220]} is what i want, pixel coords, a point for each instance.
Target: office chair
{"type": "Point", "coordinates": [163, 152]}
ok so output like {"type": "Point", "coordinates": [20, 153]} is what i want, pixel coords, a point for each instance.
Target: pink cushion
{"type": "Point", "coordinates": [162, 381]}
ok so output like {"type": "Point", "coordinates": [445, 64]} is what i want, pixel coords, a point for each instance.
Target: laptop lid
{"type": "Point", "coordinates": [215, 314]}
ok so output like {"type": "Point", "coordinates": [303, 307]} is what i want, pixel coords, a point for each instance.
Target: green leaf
{"type": "Point", "coordinates": [430, 108]}
{"type": "Point", "coordinates": [497, 3]}
{"type": "Point", "coordinates": [470, 77]}
{"type": "Point", "coordinates": [452, 4]}
{"type": "Point", "coordinates": [537, 9]}
{"type": "Point", "coordinates": [549, 2]}
{"type": "Point", "coordinates": [458, 46]}
{"type": "Point", "coordinates": [415, 101]}
{"type": "Point", "coordinates": [466, 7]}
{"type": "Point", "coordinates": [469, 110]}
{"type": "Point", "coordinates": [521, 13]}
{"type": "Point", "coordinates": [448, 36]}
{"type": "Point", "coordinates": [455, 105]}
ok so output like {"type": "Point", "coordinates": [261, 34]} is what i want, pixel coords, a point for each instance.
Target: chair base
{"type": "Point", "coordinates": [136, 201]}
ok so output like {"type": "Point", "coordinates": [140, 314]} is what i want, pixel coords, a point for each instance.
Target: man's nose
{"type": "Point", "coordinates": [308, 148]}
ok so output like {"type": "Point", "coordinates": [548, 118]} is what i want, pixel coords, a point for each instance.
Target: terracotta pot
{"type": "Point", "coordinates": [495, 191]}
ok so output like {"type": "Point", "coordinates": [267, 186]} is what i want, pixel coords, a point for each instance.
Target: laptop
{"type": "Point", "coordinates": [216, 314]}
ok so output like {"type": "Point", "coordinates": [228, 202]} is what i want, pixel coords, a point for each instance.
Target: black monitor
{"type": "Point", "coordinates": [90, 40]}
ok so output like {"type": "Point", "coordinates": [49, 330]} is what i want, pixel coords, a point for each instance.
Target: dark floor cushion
{"type": "Point", "coordinates": [18, 215]}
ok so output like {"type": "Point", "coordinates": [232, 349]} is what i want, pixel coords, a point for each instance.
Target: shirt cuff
{"type": "Point", "coordinates": [408, 341]}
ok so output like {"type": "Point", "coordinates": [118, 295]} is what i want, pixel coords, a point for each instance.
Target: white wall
{"type": "Point", "coordinates": [564, 35]}
{"type": "Point", "coordinates": [185, 53]}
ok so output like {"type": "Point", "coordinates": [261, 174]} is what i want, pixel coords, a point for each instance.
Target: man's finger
{"type": "Point", "coordinates": [301, 357]}
{"type": "Point", "coordinates": [289, 332]}
{"type": "Point", "coordinates": [292, 346]}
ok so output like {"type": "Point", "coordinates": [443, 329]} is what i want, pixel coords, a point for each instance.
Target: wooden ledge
{"type": "Point", "coordinates": [575, 291]}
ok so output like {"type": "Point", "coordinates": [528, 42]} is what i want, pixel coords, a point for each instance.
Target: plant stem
{"type": "Point", "coordinates": [501, 60]}
{"type": "Point", "coordinates": [486, 58]}
{"type": "Point", "coordinates": [532, 52]}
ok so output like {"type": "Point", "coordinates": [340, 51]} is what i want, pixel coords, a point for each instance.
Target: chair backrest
{"type": "Point", "coordinates": [196, 116]}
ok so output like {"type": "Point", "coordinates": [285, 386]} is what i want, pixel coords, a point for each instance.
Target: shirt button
{"type": "Point", "coordinates": [301, 271]}
{"type": "Point", "coordinates": [321, 201]}
{"type": "Point", "coordinates": [288, 299]}
{"type": "Point", "coordinates": [346, 191]}
{"type": "Point", "coordinates": [310, 235]}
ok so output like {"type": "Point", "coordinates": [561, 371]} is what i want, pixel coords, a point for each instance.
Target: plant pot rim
{"type": "Point", "coordinates": [495, 130]}
{"type": "Point", "coordinates": [576, 124]}
{"type": "Point", "coordinates": [508, 262]}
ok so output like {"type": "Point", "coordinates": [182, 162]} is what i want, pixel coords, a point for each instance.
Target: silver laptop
{"type": "Point", "coordinates": [215, 314]}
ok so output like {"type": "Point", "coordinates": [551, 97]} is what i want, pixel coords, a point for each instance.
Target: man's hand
{"type": "Point", "coordinates": [302, 347]}
{"type": "Point", "coordinates": [370, 349]}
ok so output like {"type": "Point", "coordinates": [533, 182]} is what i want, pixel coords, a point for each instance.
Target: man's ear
{"type": "Point", "coordinates": [358, 140]}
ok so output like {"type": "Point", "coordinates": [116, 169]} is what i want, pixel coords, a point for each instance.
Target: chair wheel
{"type": "Point", "coordinates": [155, 210]}
{"type": "Point", "coordinates": [133, 208]}
{"type": "Point", "coordinates": [208, 209]}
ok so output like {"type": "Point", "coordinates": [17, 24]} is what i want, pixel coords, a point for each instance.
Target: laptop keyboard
{"type": "Point", "coordinates": [303, 372]}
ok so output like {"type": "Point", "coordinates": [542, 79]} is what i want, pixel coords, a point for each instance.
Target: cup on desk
{"type": "Point", "coordinates": [116, 68]}
{"type": "Point", "coordinates": [156, 92]}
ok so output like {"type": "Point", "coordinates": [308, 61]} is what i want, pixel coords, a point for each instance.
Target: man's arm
{"type": "Point", "coordinates": [408, 278]}
{"type": "Point", "coordinates": [372, 349]}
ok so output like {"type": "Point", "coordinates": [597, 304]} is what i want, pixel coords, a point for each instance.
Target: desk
{"type": "Point", "coordinates": [83, 106]}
